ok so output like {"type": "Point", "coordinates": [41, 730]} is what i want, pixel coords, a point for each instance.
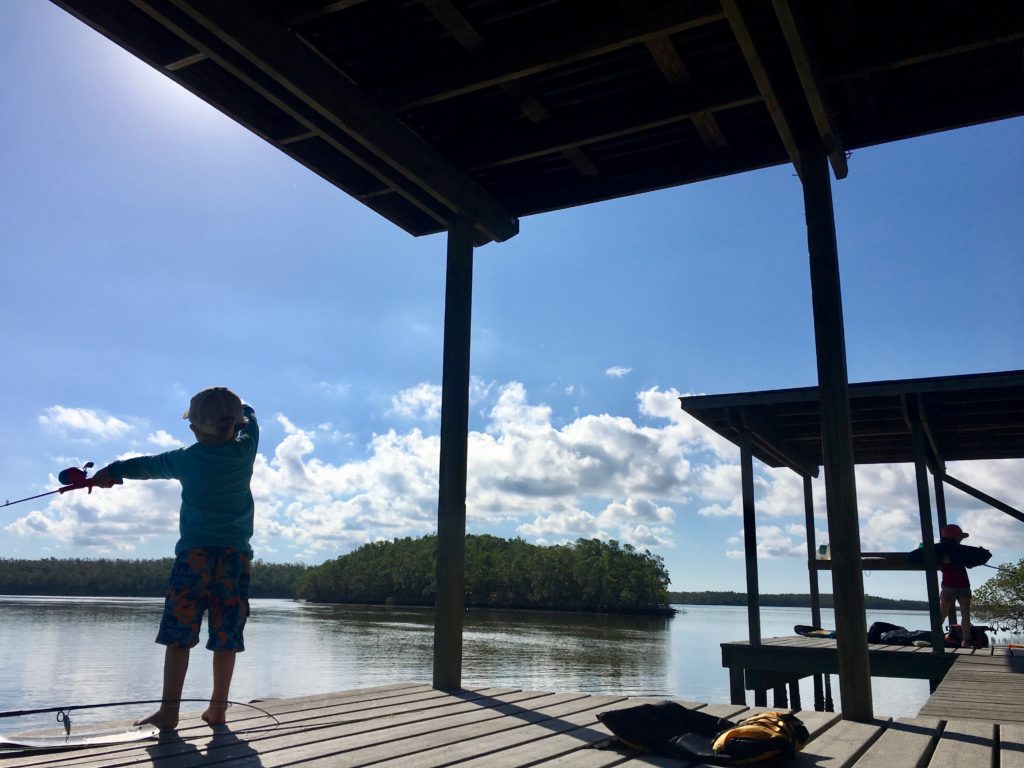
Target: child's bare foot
{"type": "Point", "coordinates": [216, 714]}
{"type": "Point", "coordinates": [164, 719]}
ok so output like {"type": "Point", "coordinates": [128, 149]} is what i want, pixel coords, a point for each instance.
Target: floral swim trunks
{"type": "Point", "coordinates": [214, 580]}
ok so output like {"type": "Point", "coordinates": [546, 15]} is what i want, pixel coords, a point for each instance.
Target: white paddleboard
{"type": "Point", "coordinates": [77, 741]}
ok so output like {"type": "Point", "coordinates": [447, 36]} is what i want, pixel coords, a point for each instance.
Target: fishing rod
{"type": "Point", "coordinates": [71, 479]}
{"type": "Point", "coordinates": [64, 713]}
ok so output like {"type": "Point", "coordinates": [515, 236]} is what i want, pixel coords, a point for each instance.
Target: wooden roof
{"type": "Point", "coordinates": [977, 416]}
{"type": "Point", "coordinates": [428, 110]}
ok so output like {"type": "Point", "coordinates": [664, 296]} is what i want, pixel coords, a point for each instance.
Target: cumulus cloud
{"type": "Point", "coordinates": [638, 480]}
{"type": "Point", "coordinates": [82, 423]}
{"type": "Point", "coordinates": [618, 371]}
{"type": "Point", "coordinates": [773, 541]}
{"type": "Point", "coordinates": [164, 440]}
{"type": "Point", "coordinates": [422, 402]}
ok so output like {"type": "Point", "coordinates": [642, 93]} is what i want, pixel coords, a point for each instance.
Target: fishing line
{"type": "Point", "coordinates": [64, 713]}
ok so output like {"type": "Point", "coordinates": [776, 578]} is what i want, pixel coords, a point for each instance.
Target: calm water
{"type": "Point", "coordinates": [60, 651]}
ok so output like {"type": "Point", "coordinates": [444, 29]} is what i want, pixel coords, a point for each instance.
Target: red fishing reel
{"type": "Point", "coordinates": [70, 479]}
{"type": "Point", "coordinates": [73, 477]}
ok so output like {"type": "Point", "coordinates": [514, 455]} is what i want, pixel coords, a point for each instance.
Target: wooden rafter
{"type": "Point", "coordinates": [469, 37]}
{"type": "Point", "coordinates": [741, 30]}
{"type": "Point", "coordinates": [677, 74]}
{"type": "Point", "coordinates": [311, 11]}
{"type": "Point", "coordinates": [293, 67]}
{"type": "Point", "coordinates": [810, 81]}
{"type": "Point", "coordinates": [523, 61]}
{"type": "Point", "coordinates": [554, 137]}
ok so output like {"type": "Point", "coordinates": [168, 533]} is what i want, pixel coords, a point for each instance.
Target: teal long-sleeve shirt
{"type": "Point", "coordinates": [216, 500]}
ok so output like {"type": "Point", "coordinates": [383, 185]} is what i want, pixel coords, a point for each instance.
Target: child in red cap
{"type": "Point", "coordinates": [956, 586]}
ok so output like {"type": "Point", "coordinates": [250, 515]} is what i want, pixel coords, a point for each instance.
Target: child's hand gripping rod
{"type": "Point", "coordinates": [72, 478]}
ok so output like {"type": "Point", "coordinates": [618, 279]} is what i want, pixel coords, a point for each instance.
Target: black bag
{"type": "Point", "coordinates": [876, 630]}
{"type": "Point", "coordinates": [668, 728]}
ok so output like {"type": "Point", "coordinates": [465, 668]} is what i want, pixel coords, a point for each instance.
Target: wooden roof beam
{"type": "Point", "coordinates": [677, 74]}
{"type": "Point", "coordinates": [772, 444]}
{"type": "Point", "coordinates": [318, 9]}
{"type": "Point", "coordinates": [811, 82]}
{"type": "Point", "coordinates": [289, 62]}
{"type": "Point", "coordinates": [556, 137]}
{"type": "Point", "coordinates": [459, 27]}
{"type": "Point", "coordinates": [981, 496]}
{"type": "Point", "coordinates": [741, 30]}
{"type": "Point", "coordinates": [587, 42]}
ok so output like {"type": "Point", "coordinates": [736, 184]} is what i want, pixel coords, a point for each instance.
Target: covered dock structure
{"type": "Point", "coordinates": [926, 422]}
{"type": "Point", "coordinates": [462, 116]}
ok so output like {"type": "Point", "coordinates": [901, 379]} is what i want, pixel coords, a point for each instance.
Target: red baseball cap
{"type": "Point", "coordinates": [952, 532]}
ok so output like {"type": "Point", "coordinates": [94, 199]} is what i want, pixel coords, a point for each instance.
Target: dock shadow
{"type": "Point", "coordinates": [224, 745]}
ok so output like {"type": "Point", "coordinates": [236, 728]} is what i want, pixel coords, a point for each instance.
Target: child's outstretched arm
{"type": "Point", "coordinates": [103, 479]}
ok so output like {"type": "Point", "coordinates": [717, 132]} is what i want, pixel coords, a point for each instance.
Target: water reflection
{"type": "Point", "coordinates": [65, 651]}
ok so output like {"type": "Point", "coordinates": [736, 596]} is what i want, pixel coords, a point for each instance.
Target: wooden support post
{"type": "Point", "coordinates": [760, 697]}
{"type": "Point", "coordinates": [737, 690]}
{"type": "Point", "coordinates": [811, 552]}
{"type": "Point", "coordinates": [812, 575]}
{"type": "Point", "coordinates": [794, 694]}
{"type": "Point", "coordinates": [779, 698]}
{"type": "Point", "coordinates": [940, 513]}
{"type": "Point", "coordinates": [750, 539]}
{"type": "Point", "coordinates": [451, 497]}
{"type": "Point", "coordinates": [927, 534]}
{"type": "Point", "coordinates": [836, 438]}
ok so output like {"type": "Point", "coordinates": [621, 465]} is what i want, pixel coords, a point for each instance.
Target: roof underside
{"type": "Point", "coordinates": [979, 416]}
{"type": "Point", "coordinates": [428, 110]}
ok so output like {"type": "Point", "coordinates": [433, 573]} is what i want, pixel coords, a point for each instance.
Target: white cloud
{"type": "Point", "coordinates": [618, 371]}
{"type": "Point", "coordinates": [599, 475]}
{"type": "Point", "coordinates": [164, 440]}
{"type": "Point", "coordinates": [82, 423]}
{"type": "Point", "coordinates": [422, 402]}
{"type": "Point", "coordinates": [773, 542]}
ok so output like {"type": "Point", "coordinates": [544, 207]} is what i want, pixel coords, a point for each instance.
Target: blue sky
{"type": "Point", "coordinates": [152, 247]}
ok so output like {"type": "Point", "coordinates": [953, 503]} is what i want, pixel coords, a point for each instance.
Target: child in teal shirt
{"type": "Point", "coordinates": [212, 556]}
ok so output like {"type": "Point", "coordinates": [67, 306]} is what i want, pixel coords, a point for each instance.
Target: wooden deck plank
{"type": "Point", "coordinates": [451, 740]}
{"type": "Point", "coordinates": [301, 726]}
{"type": "Point", "coordinates": [988, 688]}
{"type": "Point", "coordinates": [906, 743]}
{"type": "Point", "coordinates": [391, 726]}
{"type": "Point", "coordinates": [1011, 746]}
{"type": "Point", "coordinates": [841, 745]}
{"type": "Point", "coordinates": [481, 742]}
{"type": "Point", "coordinates": [964, 743]}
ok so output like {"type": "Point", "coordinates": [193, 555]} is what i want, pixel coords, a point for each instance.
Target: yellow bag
{"type": "Point", "coordinates": [761, 737]}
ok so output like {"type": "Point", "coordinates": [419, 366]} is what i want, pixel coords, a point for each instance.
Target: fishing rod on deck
{"type": "Point", "coordinates": [71, 479]}
{"type": "Point", "coordinates": [64, 713]}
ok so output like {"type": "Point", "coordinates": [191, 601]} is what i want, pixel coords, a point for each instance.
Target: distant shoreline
{"type": "Point", "coordinates": [789, 600]}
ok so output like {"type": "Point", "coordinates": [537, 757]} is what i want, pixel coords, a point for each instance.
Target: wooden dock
{"type": "Point", "coordinates": [987, 683]}
{"type": "Point", "coordinates": [412, 725]}
{"type": "Point", "coordinates": [779, 662]}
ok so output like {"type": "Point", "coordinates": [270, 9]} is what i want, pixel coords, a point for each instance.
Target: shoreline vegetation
{"type": "Point", "coordinates": [791, 600]}
{"type": "Point", "coordinates": [588, 575]}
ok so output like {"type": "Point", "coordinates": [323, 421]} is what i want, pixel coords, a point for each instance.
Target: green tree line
{"type": "Point", "coordinates": [81, 577]}
{"type": "Point", "coordinates": [1001, 599]}
{"type": "Point", "coordinates": [588, 575]}
{"type": "Point", "coordinates": [789, 600]}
